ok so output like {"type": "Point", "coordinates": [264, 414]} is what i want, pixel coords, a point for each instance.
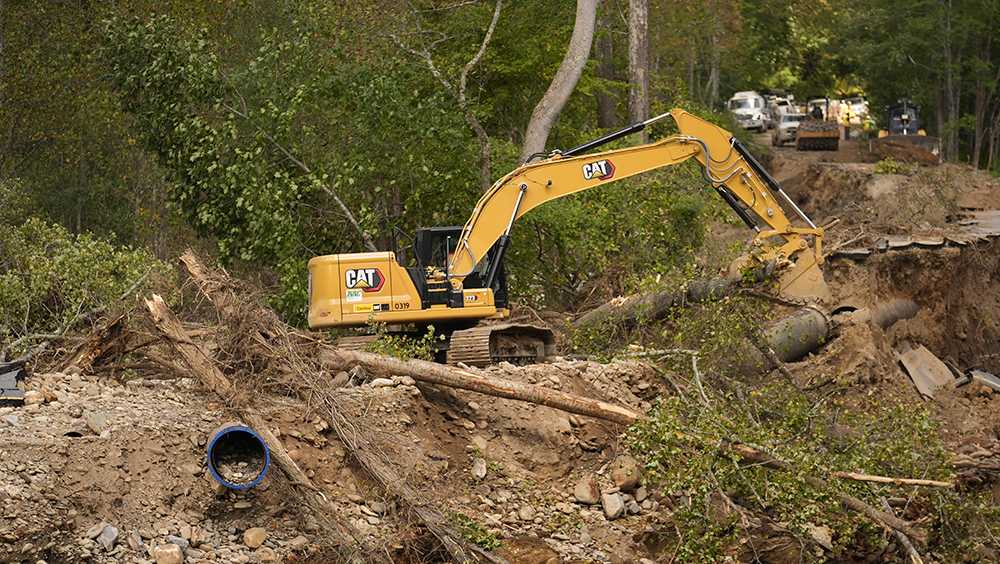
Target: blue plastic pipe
{"type": "Point", "coordinates": [239, 437]}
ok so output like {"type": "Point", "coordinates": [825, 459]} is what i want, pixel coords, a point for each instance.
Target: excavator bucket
{"type": "Point", "coordinates": [804, 281]}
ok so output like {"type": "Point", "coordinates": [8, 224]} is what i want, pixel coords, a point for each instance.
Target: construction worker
{"type": "Point", "coordinates": [816, 113]}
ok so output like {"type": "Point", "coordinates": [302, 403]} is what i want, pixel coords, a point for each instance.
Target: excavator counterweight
{"type": "Point", "coordinates": [459, 280]}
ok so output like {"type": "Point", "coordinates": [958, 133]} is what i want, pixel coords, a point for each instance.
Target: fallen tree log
{"type": "Point", "coordinates": [653, 306]}
{"type": "Point", "coordinates": [432, 373]}
{"type": "Point", "coordinates": [204, 369]}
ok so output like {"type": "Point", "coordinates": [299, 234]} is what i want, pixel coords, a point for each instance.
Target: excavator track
{"type": "Point", "coordinates": [505, 342]}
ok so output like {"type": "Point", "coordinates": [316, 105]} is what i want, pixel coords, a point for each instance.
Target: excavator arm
{"type": "Point", "coordinates": [727, 166]}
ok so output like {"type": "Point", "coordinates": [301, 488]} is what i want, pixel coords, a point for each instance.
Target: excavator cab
{"type": "Point", "coordinates": [433, 249]}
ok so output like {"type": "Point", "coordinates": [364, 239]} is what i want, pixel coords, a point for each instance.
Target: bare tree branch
{"type": "Point", "coordinates": [459, 93]}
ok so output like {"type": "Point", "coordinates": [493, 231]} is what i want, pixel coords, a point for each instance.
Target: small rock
{"type": "Point", "coordinates": [134, 541]}
{"type": "Point", "coordinates": [613, 505]}
{"type": "Point", "coordinates": [191, 468]}
{"type": "Point", "coordinates": [377, 506]}
{"type": "Point", "coordinates": [242, 504]}
{"type": "Point", "coordinates": [480, 443]}
{"type": "Point", "coordinates": [526, 513]}
{"type": "Point", "coordinates": [340, 380]}
{"type": "Point", "coordinates": [407, 381]}
{"type": "Point", "coordinates": [179, 541]}
{"type": "Point", "coordinates": [168, 554]}
{"type": "Point", "coordinates": [10, 419]}
{"type": "Point", "coordinates": [33, 397]}
{"type": "Point", "coordinates": [108, 538]}
{"type": "Point", "coordinates": [96, 421]}
{"type": "Point", "coordinates": [587, 491]}
{"type": "Point", "coordinates": [382, 383]}
{"type": "Point", "coordinates": [96, 530]}
{"type": "Point", "coordinates": [822, 535]}
{"type": "Point", "coordinates": [265, 554]}
{"type": "Point", "coordinates": [298, 543]}
{"type": "Point", "coordinates": [641, 493]}
{"type": "Point", "coordinates": [254, 537]}
{"type": "Point", "coordinates": [633, 508]}
{"type": "Point", "coordinates": [478, 468]}
{"type": "Point", "coordinates": [647, 505]}
{"type": "Point", "coordinates": [626, 473]}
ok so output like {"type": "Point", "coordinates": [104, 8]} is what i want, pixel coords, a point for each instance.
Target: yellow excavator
{"type": "Point", "coordinates": [459, 280]}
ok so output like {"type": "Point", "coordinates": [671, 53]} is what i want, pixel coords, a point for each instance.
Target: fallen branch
{"type": "Point", "coordinates": [889, 480]}
{"type": "Point", "coordinates": [904, 540]}
{"type": "Point", "coordinates": [887, 520]}
{"type": "Point", "coordinates": [203, 367]}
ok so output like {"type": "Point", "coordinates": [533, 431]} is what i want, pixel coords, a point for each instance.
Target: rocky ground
{"type": "Point", "coordinates": [109, 466]}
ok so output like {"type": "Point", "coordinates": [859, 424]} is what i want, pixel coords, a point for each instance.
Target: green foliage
{"type": "Point", "coordinates": [474, 532]}
{"type": "Point", "coordinates": [889, 165]}
{"type": "Point", "coordinates": [680, 439]}
{"type": "Point", "coordinates": [404, 346]}
{"type": "Point", "coordinates": [49, 277]}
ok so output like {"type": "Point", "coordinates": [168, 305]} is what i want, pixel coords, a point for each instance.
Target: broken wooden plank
{"type": "Point", "coordinates": [926, 371]}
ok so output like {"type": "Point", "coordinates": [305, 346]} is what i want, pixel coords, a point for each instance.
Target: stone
{"type": "Point", "coordinates": [626, 473]}
{"type": "Point", "coordinates": [377, 506]}
{"type": "Point", "coordinates": [821, 534]}
{"type": "Point", "coordinates": [265, 554]}
{"type": "Point", "coordinates": [135, 541]}
{"type": "Point", "coordinates": [406, 381]}
{"type": "Point", "coordinates": [191, 468]}
{"type": "Point", "coordinates": [340, 380]}
{"type": "Point", "coordinates": [382, 383]}
{"type": "Point", "coordinates": [179, 541]}
{"type": "Point", "coordinates": [298, 543]}
{"type": "Point", "coordinates": [641, 493]}
{"type": "Point", "coordinates": [33, 397]}
{"type": "Point", "coordinates": [10, 419]}
{"type": "Point", "coordinates": [168, 554]}
{"type": "Point", "coordinates": [633, 508]}
{"type": "Point", "coordinates": [95, 531]}
{"type": "Point", "coordinates": [526, 513]}
{"type": "Point", "coordinates": [254, 537]}
{"type": "Point", "coordinates": [478, 468]}
{"type": "Point", "coordinates": [96, 421]}
{"type": "Point", "coordinates": [480, 443]}
{"type": "Point", "coordinates": [613, 505]}
{"type": "Point", "coordinates": [357, 374]}
{"type": "Point", "coordinates": [587, 490]}
{"type": "Point", "coordinates": [108, 538]}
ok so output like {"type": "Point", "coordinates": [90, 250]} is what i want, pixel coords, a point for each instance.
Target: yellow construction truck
{"type": "Point", "coordinates": [458, 278]}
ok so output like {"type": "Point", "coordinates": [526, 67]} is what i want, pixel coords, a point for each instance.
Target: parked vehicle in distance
{"type": "Point", "coordinates": [779, 107]}
{"type": "Point", "coordinates": [858, 108]}
{"type": "Point", "coordinates": [785, 129]}
{"type": "Point", "coordinates": [749, 110]}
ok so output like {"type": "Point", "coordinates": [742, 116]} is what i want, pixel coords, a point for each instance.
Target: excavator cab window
{"type": "Point", "coordinates": [431, 246]}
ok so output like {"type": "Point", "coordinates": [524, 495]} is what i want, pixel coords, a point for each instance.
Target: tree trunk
{"type": "Point", "coordinates": [638, 62]}
{"type": "Point", "coordinates": [715, 57]}
{"type": "Point", "coordinates": [548, 108]}
{"type": "Point", "coordinates": [607, 114]}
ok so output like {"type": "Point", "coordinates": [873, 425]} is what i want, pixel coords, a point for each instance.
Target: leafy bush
{"type": "Point", "coordinates": [49, 277]}
{"type": "Point", "coordinates": [680, 444]}
{"type": "Point", "coordinates": [402, 346]}
{"type": "Point", "coordinates": [889, 165]}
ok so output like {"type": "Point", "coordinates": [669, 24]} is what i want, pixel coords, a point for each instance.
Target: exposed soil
{"type": "Point", "coordinates": [94, 449]}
